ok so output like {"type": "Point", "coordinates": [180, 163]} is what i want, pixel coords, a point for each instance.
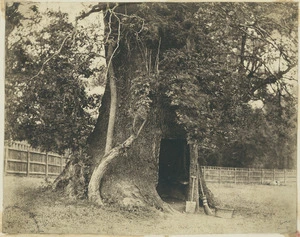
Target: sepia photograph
{"type": "Point", "coordinates": [150, 118]}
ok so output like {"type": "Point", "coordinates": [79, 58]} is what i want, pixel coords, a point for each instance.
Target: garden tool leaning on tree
{"type": "Point", "coordinates": [191, 205]}
{"type": "Point", "coordinates": [204, 199]}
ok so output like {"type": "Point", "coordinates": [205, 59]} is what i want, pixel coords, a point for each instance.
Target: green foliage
{"type": "Point", "coordinates": [235, 57]}
{"type": "Point", "coordinates": [140, 91]}
{"type": "Point", "coordinates": [46, 104]}
{"type": "Point", "coordinates": [208, 62]}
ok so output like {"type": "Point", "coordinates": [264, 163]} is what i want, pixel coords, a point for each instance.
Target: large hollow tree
{"type": "Point", "coordinates": [122, 168]}
{"type": "Point", "coordinates": [173, 71]}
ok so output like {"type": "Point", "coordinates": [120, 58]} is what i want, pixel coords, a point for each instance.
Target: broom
{"type": "Point", "coordinates": [204, 200]}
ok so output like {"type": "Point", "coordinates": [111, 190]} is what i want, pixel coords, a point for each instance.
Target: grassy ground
{"type": "Point", "coordinates": [258, 209]}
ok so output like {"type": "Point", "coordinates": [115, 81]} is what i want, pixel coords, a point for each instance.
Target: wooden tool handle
{"type": "Point", "coordinates": [193, 186]}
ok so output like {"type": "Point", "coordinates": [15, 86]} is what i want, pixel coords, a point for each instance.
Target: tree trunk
{"type": "Point", "coordinates": [72, 180]}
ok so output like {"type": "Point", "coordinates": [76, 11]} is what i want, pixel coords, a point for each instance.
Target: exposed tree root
{"type": "Point", "coordinates": [71, 180]}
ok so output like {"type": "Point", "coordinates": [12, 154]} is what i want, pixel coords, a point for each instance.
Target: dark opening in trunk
{"type": "Point", "coordinates": [174, 163]}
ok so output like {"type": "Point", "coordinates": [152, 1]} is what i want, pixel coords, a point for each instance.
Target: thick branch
{"type": "Point", "coordinates": [113, 103]}
{"type": "Point", "coordinates": [52, 56]}
{"type": "Point", "coordinates": [96, 8]}
{"type": "Point", "coordinates": [243, 43]}
{"type": "Point", "coordinates": [113, 92]}
{"type": "Point", "coordinates": [265, 37]}
{"type": "Point", "coordinates": [272, 79]}
{"type": "Point", "coordinates": [95, 182]}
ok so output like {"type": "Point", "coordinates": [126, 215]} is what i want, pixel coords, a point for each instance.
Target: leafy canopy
{"type": "Point", "coordinates": [226, 69]}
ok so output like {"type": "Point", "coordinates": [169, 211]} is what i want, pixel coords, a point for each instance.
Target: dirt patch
{"type": "Point", "coordinates": [258, 209]}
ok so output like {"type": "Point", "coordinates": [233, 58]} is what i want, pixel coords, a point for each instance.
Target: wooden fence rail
{"type": "Point", "coordinates": [20, 158]}
{"type": "Point", "coordinates": [248, 175]}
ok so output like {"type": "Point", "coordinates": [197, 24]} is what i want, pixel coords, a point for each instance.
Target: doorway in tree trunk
{"type": "Point", "coordinates": [174, 163]}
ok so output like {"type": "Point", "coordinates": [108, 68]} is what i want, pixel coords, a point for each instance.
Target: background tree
{"type": "Point", "coordinates": [237, 63]}
{"type": "Point", "coordinates": [47, 103]}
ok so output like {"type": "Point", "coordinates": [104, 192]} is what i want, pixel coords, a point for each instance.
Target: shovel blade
{"type": "Point", "coordinates": [190, 207]}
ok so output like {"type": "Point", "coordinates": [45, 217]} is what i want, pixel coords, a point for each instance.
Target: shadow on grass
{"type": "Point", "coordinates": [30, 206]}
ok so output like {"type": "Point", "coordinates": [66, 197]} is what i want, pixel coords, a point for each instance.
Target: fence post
{"type": "Point", "coordinates": [273, 174]}
{"type": "Point", "coordinates": [47, 163]}
{"type": "Point", "coordinates": [6, 158]}
{"type": "Point", "coordinates": [219, 175]}
{"type": "Point", "coordinates": [262, 176]}
{"type": "Point", "coordinates": [204, 172]}
{"type": "Point", "coordinates": [284, 176]}
{"type": "Point", "coordinates": [28, 162]}
{"type": "Point", "coordinates": [234, 175]}
{"type": "Point", "coordinates": [248, 175]}
{"type": "Point", "coordinates": [61, 164]}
